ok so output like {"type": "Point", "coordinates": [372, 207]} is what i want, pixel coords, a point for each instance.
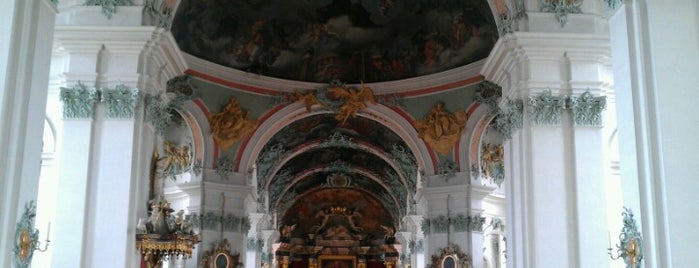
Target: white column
{"type": "Point", "coordinates": [73, 178]}
{"type": "Point", "coordinates": [557, 216]}
{"type": "Point", "coordinates": [26, 30]}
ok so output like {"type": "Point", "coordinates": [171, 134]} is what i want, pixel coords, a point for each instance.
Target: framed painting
{"type": "Point", "coordinates": [337, 261]}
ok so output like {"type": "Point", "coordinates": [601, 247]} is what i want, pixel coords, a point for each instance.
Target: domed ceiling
{"type": "Point", "coordinates": [348, 40]}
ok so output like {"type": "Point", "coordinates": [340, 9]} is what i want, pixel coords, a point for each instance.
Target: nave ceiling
{"type": "Point", "coordinates": [326, 144]}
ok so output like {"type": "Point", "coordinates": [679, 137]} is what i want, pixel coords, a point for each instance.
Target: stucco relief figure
{"type": "Point", "coordinates": [309, 99]}
{"type": "Point", "coordinates": [176, 159]}
{"type": "Point", "coordinates": [287, 229]}
{"type": "Point", "coordinates": [491, 158]}
{"type": "Point", "coordinates": [231, 124]}
{"type": "Point", "coordinates": [440, 128]}
{"type": "Point", "coordinates": [354, 100]}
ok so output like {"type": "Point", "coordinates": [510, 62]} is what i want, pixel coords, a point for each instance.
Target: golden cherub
{"type": "Point", "coordinates": [354, 100]}
{"type": "Point", "coordinates": [308, 98]}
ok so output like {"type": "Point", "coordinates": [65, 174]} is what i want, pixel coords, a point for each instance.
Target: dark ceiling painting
{"type": "Point", "coordinates": [325, 211]}
{"type": "Point", "coordinates": [347, 40]}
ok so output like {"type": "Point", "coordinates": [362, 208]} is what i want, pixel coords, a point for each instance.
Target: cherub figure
{"type": "Point", "coordinates": [354, 101]}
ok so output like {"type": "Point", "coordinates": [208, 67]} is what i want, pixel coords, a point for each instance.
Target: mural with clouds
{"type": "Point", "coordinates": [347, 40]}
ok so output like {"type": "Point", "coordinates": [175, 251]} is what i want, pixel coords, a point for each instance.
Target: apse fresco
{"type": "Point", "coordinates": [367, 212]}
{"type": "Point", "coordinates": [347, 40]}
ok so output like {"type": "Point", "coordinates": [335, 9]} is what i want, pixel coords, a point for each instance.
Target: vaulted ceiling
{"type": "Point", "coordinates": [317, 162]}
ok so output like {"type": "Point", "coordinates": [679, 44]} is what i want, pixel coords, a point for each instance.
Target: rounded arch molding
{"type": "Point", "coordinates": [281, 118]}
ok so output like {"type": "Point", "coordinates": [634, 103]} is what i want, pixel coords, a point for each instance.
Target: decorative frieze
{"type": "Point", "coordinates": [212, 221]}
{"type": "Point", "coordinates": [79, 101]}
{"type": "Point", "coordinates": [586, 109]}
{"type": "Point", "coordinates": [440, 224]}
{"type": "Point", "coordinates": [561, 8]}
{"type": "Point", "coordinates": [109, 6]}
{"type": "Point", "coordinates": [545, 109]}
{"type": "Point", "coordinates": [459, 223]}
{"type": "Point", "coordinates": [121, 101]}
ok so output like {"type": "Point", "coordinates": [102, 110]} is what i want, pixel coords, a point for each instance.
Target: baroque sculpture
{"type": "Point", "coordinates": [440, 128]}
{"type": "Point", "coordinates": [231, 124]}
{"type": "Point", "coordinates": [354, 100]}
{"type": "Point", "coordinates": [177, 159]}
{"type": "Point", "coordinates": [492, 162]}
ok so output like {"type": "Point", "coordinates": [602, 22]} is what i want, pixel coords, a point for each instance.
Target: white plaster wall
{"type": "Point", "coordinates": [674, 47]}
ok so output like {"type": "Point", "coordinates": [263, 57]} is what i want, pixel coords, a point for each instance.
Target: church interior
{"type": "Point", "coordinates": [349, 133]}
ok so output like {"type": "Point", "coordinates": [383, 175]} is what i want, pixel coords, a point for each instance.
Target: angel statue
{"type": "Point", "coordinates": [176, 159]}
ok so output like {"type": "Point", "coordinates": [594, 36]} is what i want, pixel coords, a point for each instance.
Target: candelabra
{"type": "Point", "coordinates": [27, 238]}
{"type": "Point", "coordinates": [630, 242]}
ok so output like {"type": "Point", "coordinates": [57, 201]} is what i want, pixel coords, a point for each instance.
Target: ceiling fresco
{"type": "Point", "coordinates": [367, 212]}
{"type": "Point", "coordinates": [347, 40]}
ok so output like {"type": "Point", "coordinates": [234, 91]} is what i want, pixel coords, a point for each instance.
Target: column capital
{"type": "Point", "coordinates": [79, 101]}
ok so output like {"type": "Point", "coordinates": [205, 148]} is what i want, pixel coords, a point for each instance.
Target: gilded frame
{"type": "Point", "coordinates": [337, 261]}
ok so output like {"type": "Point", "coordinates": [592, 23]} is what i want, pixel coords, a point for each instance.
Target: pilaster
{"type": "Point", "coordinates": [555, 177]}
{"type": "Point", "coordinates": [25, 49]}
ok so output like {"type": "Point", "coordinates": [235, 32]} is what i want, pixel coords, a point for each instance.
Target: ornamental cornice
{"type": "Point", "coordinates": [512, 50]}
{"type": "Point", "coordinates": [90, 35]}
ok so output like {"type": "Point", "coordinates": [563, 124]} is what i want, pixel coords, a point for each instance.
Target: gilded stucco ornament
{"type": "Point", "coordinates": [561, 8]}
{"type": "Point", "coordinates": [586, 109]}
{"type": "Point", "coordinates": [451, 253]}
{"type": "Point", "coordinates": [545, 109]}
{"type": "Point", "coordinates": [177, 160]}
{"type": "Point", "coordinates": [220, 256]}
{"type": "Point", "coordinates": [121, 101]}
{"type": "Point", "coordinates": [26, 237]}
{"type": "Point", "coordinates": [79, 101]}
{"type": "Point", "coordinates": [630, 247]}
{"type": "Point", "coordinates": [231, 124]}
{"type": "Point", "coordinates": [109, 7]}
{"type": "Point", "coordinates": [441, 129]}
{"type": "Point", "coordinates": [492, 162]}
